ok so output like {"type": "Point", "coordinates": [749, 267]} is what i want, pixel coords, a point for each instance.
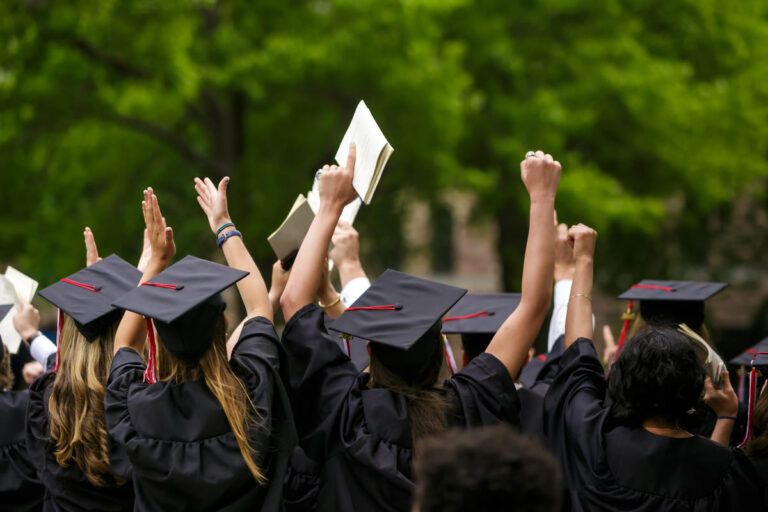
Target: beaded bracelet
{"type": "Point", "coordinates": [223, 227]}
{"type": "Point", "coordinates": [226, 236]}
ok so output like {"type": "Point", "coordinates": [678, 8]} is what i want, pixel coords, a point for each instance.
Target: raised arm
{"type": "Point", "coordinates": [253, 289]}
{"type": "Point", "coordinates": [336, 191]}
{"type": "Point", "coordinates": [541, 176]}
{"type": "Point", "coordinates": [132, 330]}
{"type": "Point", "coordinates": [578, 321]}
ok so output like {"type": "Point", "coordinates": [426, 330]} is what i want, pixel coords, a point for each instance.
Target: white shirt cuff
{"type": "Point", "coordinates": [40, 348]}
{"type": "Point", "coordinates": [354, 289]}
{"type": "Point", "coordinates": [559, 311]}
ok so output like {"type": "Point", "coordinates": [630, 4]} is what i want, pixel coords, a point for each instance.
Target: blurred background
{"type": "Point", "coordinates": [657, 109]}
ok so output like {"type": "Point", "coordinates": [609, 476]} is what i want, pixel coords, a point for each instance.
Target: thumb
{"type": "Point", "coordinates": [352, 157]}
{"type": "Point", "coordinates": [169, 235]}
{"type": "Point", "coordinates": [725, 380]}
{"type": "Point", "coordinates": [223, 184]}
{"type": "Point", "coordinates": [610, 341]}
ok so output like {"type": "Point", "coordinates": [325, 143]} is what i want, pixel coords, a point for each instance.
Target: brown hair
{"type": "Point", "coordinates": [6, 375]}
{"type": "Point", "coordinates": [427, 406]}
{"type": "Point", "coordinates": [76, 407]}
{"type": "Point", "coordinates": [213, 368]}
{"type": "Point", "coordinates": [758, 447]}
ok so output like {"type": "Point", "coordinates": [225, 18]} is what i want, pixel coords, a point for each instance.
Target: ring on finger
{"type": "Point", "coordinates": [530, 154]}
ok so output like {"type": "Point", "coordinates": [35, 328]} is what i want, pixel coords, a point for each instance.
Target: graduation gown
{"type": "Point", "coordinates": [19, 487]}
{"type": "Point", "coordinates": [177, 440]}
{"type": "Point", "coordinates": [66, 488]}
{"type": "Point", "coordinates": [613, 467]}
{"type": "Point", "coordinates": [360, 437]}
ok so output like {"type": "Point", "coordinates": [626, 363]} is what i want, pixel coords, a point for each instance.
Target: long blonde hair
{"type": "Point", "coordinates": [213, 368]}
{"type": "Point", "coordinates": [76, 407]}
{"type": "Point", "coordinates": [6, 375]}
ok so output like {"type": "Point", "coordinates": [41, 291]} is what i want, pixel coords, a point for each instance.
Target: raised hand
{"type": "Point", "coordinates": [91, 251]}
{"type": "Point", "coordinates": [146, 252]}
{"type": "Point", "coordinates": [564, 264]}
{"type": "Point", "coordinates": [540, 174]}
{"type": "Point", "coordinates": [722, 400]}
{"type": "Point", "coordinates": [609, 353]}
{"type": "Point", "coordinates": [213, 201]}
{"type": "Point", "coordinates": [26, 321]}
{"type": "Point", "coordinates": [583, 239]}
{"type": "Point", "coordinates": [336, 188]}
{"type": "Point", "coordinates": [31, 371]}
{"type": "Point", "coordinates": [160, 235]}
{"type": "Point", "coordinates": [346, 244]}
{"type": "Point", "coordinates": [277, 286]}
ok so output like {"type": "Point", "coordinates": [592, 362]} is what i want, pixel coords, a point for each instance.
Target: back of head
{"type": "Point", "coordinates": [426, 404]}
{"type": "Point", "coordinates": [657, 374]}
{"type": "Point", "coordinates": [475, 344]}
{"type": "Point", "coordinates": [487, 469]}
{"type": "Point", "coordinates": [76, 407]}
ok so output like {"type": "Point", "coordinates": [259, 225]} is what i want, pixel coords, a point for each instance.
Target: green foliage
{"type": "Point", "coordinates": [657, 110]}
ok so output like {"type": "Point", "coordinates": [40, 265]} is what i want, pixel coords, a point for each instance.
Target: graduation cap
{"type": "Point", "coordinates": [185, 304]}
{"type": "Point", "coordinates": [477, 317]}
{"type": "Point", "coordinates": [87, 295]}
{"type": "Point", "coordinates": [400, 315]}
{"type": "Point", "coordinates": [670, 303]}
{"type": "Point", "coordinates": [4, 309]}
{"type": "Point", "coordinates": [746, 357]}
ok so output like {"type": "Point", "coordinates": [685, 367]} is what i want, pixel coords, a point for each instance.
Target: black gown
{"type": "Point", "coordinates": [66, 488]}
{"type": "Point", "coordinates": [360, 436]}
{"type": "Point", "coordinates": [612, 467]}
{"type": "Point", "coordinates": [178, 442]}
{"type": "Point", "coordinates": [19, 487]}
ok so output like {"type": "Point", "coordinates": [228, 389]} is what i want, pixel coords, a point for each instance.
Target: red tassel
{"type": "Point", "coordinates": [752, 398]}
{"type": "Point", "coordinates": [59, 327]}
{"type": "Point", "coordinates": [149, 373]}
{"type": "Point", "coordinates": [628, 317]}
{"type": "Point", "coordinates": [386, 307]}
{"type": "Point", "coordinates": [654, 287]}
{"type": "Point", "coordinates": [163, 285]}
{"type": "Point", "coordinates": [466, 317]}
{"type": "Point", "coordinates": [85, 286]}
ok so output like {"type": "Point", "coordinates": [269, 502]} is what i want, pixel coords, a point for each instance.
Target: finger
{"type": "Point", "coordinates": [708, 387]}
{"type": "Point", "coordinates": [352, 157]}
{"type": "Point", "coordinates": [203, 205]}
{"type": "Point", "coordinates": [556, 223]}
{"type": "Point", "coordinates": [559, 166]}
{"type": "Point", "coordinates": [562, 232]}
{"type": "Point", "coordinates": [326, 168]}
{"type": "Point", "coordinates": [608, 338]}
{"type": "Point", "coordinates": [725, 381]}
{"type": "Point", "coordinates": [169, 235]}
{"type": "Point", "coordinates": [548, 158]}
{"type": "Point", "coordinates": [202, 190]}
{"type": "Point", "coordinates": [539, 154]}
{"type": "Point", "coordinates": [210, 185]}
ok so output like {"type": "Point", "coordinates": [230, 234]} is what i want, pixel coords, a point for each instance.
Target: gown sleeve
{"type": "Point", "coordinates": [574, 413]}
{"type": "Point", "coordinates": [260, 361]}
{"type": "Point", "coordinates": [486, 393]}
{"type": "Point", "coordinates": [321, 375]}
{"type": "Point", "coordinates": [36, 425]}
{"type": "Point", "coordinates": [127, 371]}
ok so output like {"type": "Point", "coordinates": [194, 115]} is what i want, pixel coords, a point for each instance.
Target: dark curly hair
{"type": "Point", "coordinates": [657, 375]}
{"type": "Point", "coordinates": [485, 470]}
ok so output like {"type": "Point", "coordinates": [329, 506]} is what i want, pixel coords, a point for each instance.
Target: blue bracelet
{"type": "Point", "coordinates": [223, 227]}
{"type": "Point", "coordinates": [226, 236]}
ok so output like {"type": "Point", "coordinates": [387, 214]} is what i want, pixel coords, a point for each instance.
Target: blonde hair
{"type": "Point", "coordinates": [213, 368]}
{"type": "Point", "coordinates": [6, 375]}
{"type": "Point", "coordinates": [76, 407]}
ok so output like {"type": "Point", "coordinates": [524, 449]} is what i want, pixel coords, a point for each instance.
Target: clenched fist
{"type": "Point", "coordinates": [583, 239]}
{"type": "Point", "coordinates": [540, 174]}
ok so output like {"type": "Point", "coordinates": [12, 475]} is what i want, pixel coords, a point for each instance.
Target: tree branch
{"type": "Point", "coordinates": [115, 63]}
{"type": "Point", "coordinates": [166, 136]}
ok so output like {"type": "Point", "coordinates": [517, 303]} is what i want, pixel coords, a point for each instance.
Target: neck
{"type": "Point", "coordinates": [664, 427]}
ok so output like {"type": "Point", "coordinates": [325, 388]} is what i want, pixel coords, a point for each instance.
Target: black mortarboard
{"type": "Point", "coordinates": [87, 295]}
{"type": "Point", "coordinates": [477, 317]}
{"type": "Point", "coordinates": [400, 315]}
{"type": "Point", "coordinates": [185, 304]}
{"type": "Point", "coordinates": [672, 302]}
{"type": "Point", "coordinates": [746, 358]}
{"type": "Point", "coordinates": [4, 309]}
